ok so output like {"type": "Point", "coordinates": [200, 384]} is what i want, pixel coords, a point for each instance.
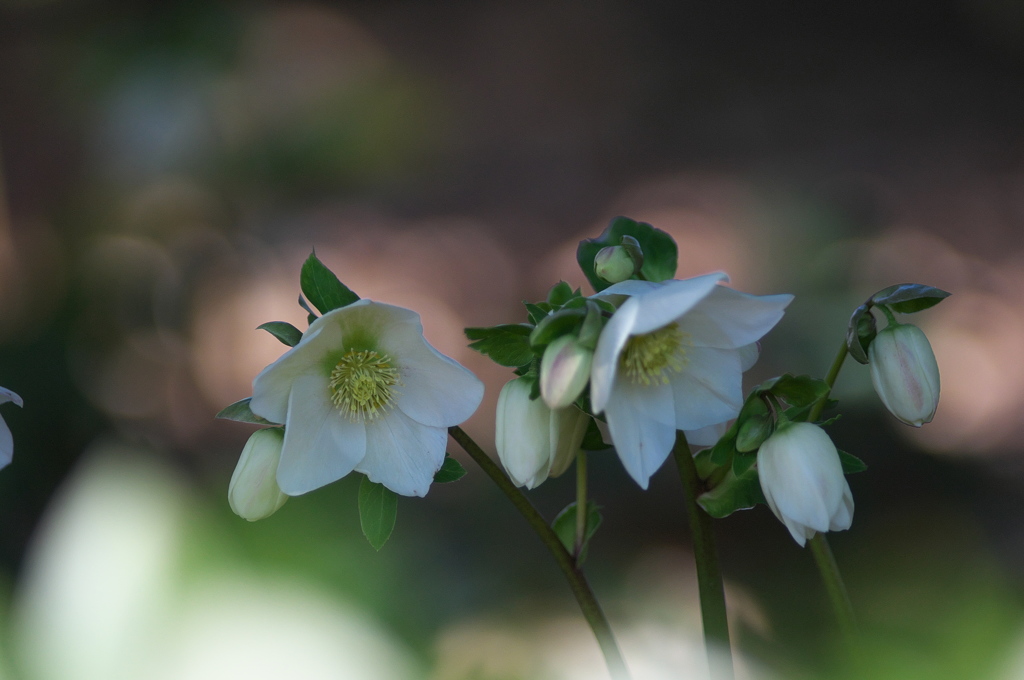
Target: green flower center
{"type": "Point", "coordinates": [363, 385]}
{"type": "Point", "coordinates": [650, 358]}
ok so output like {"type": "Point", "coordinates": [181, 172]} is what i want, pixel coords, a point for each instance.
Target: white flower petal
{"type": "Point", "coordinates": [403, 454]}
{"type": "Point", "coordinates": [671, 300]}
{"type": "Point", "coordinates": [320, 445]}
{"type": "Point", "coordinates": [640, 422]}
{"type": "Point", "coordinates": [709, 390]}
{"type": "Point", "coordinates": [522, 434]}
{"type": "Point", "coordinates": [606, 356]}
{"type": "Point", "coordinates": [796, 464]}
{"type": "Point", "coordinates": [749, 354]}
{"type": "Point", "coordinates": [707, 436]}
{"type": "Point", "coordinates": [842, 517]}
{"type": "Point", "coordinates": [271, 388]}
{"type": "Point", "coordinates": [6, 445]}
{"type": "Point", "coordinates": [435, 390]}
{"type": "Point", "coordinates": [627, 288]}
{"type": "Point", "coordinates": [6, 395]}
{"type": "Point", "coordinates": [730, 319]}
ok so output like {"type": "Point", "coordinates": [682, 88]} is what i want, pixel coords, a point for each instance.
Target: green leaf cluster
{"type": "Point", "coordinates": [728, 466]}
{"type": "Point", "coordinates": [660, 254]}
{"type": "Point", "coordinates": [522, 345]}
{"type": "Point", "coordinates": [903, 298]}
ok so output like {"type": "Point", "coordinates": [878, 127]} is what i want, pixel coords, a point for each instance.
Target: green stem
{"type": "Point", "coordinates": [837, 594]}
{"type": "Point", "coordinates": [577, 581]}
{"type": "Point", "coordinates": [581, 504]}
{"type": "Point", "coordinates": [709, 576]}
{"type": "Point", "coordinates": [830, 380]}
{"type": "Point", "coordinates": [823, 557]}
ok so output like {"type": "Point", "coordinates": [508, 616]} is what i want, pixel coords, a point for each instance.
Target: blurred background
{"type": "Point", "coordinates": [166, 167]}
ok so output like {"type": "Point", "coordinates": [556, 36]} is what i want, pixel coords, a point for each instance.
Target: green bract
{"type": "Point", "coordinates": [904, 298]}
{"type": "Point", "coordinates": [660, 253]}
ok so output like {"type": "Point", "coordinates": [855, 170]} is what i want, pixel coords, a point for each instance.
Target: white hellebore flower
{"type": "Point", "coordinates": [905, 374]}
{"type": "Point", "coordinates": [535, 442]}
{"type": "Point", "coordinates": [802, 479]}
{"type": "Point", "coordinates": [6, 440]}
{"type": "Point", "coordinates": [672, 358]}
{"type": "Point", "coordinates": [364, 391]}
{"type": "Point", "coordinates": [253, 492]}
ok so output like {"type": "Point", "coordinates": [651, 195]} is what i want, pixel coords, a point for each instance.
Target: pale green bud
{"type": "Point", "coordinates": [253, 492]}
{"type": "Point", "coordinates": [905, 373]}
{"type": "Point", "coordinates": [534, 441]}
{"type": "Point", "coordinates": [618, 263]}
{"type": "Point", "coordinates": [564, 371]}
{"type": "Point", "coordinates": [802, 480]}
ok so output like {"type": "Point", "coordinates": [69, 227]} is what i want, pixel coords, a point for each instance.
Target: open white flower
{"type": "Point", "coordinates": [364, 391]}
{"type": "Point", "coordinates": [802, 480]}
{"type": "Point", "coordinates": [672, 358]}
{"type": "Point", "coordinates": [6, 440]}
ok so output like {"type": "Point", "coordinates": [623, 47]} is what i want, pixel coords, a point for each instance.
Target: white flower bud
{"type": "Point", "coordinates": [905, 374]}
{"type": "Point", "coordinates": [614, 264]}
{"type": "Point", "coordinates": [802, 480]}
{"type": "Point", "coordinates": [534, 441]}
{"type": "Point", "coordinates": [564, 371]}
{"type": "Point", "coordinates": [253, 492]}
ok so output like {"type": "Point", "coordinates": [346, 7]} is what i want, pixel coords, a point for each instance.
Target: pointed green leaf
{"type": "Point", "coordinates": [506, 345]}
{"type": "Point", "coordinates": [851, 463]}
{"type": "Point", "coordinates": [536, 312]}
{"type": "Point", "coordinates": [742, 462]}
{"type": "Point", "coordinates": [799, 390]}
{"type": "Point", "coordinates": [559, 294]}
{"type": "Point", "coordinates": [240, 412]}
{"type": "Point", "coordinates": [283, 331]}
{"type": "Point", "coordinates": [660, 253]}
{"type": "Point", "coordinates": [753, 431]}
{"type": "Point", "coordinates": [556, 324]}
{"type": "Point", "coordinates": [450, 471]}
{"type": "Point", "coordinates": [907, 298]}
{"type": "Point", "coordinates": [732, 494]}
{"type": "Point", "coordinates": [565, 527]}
{"type": "Point", "coordinates": [322, 287]}
{"type": "Point", "coordinates": [378, 508]}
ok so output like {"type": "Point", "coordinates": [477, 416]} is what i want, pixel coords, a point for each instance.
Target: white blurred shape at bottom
{"type": "Point", "coordinates": [102, 597]}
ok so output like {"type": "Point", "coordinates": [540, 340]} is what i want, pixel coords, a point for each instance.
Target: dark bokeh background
{"type": "Point", "coordinates": [166, 167]}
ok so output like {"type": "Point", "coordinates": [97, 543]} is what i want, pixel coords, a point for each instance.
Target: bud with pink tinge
{"type": "Point", "coordinates": [905, 374]}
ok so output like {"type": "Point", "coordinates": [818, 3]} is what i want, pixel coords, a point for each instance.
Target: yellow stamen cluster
{"type": "Point", "coordinates": [362, 385]}
{"type": "Point", "coordinates": [650, 358]}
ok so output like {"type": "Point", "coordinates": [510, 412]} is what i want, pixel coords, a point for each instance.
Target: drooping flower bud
{"type": "Point", "coordinates": [905, 374]}
{"type": "Point", "coordinates": [534, 441]}
{"type": "Point", "coordinates": [253, 492]}
{"type": "Point", "coordinates": [618, 263]}
{"type": "Point", "coordinates": [802, 480]}
{"type": "Point", "coordinates": [564, 371]}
